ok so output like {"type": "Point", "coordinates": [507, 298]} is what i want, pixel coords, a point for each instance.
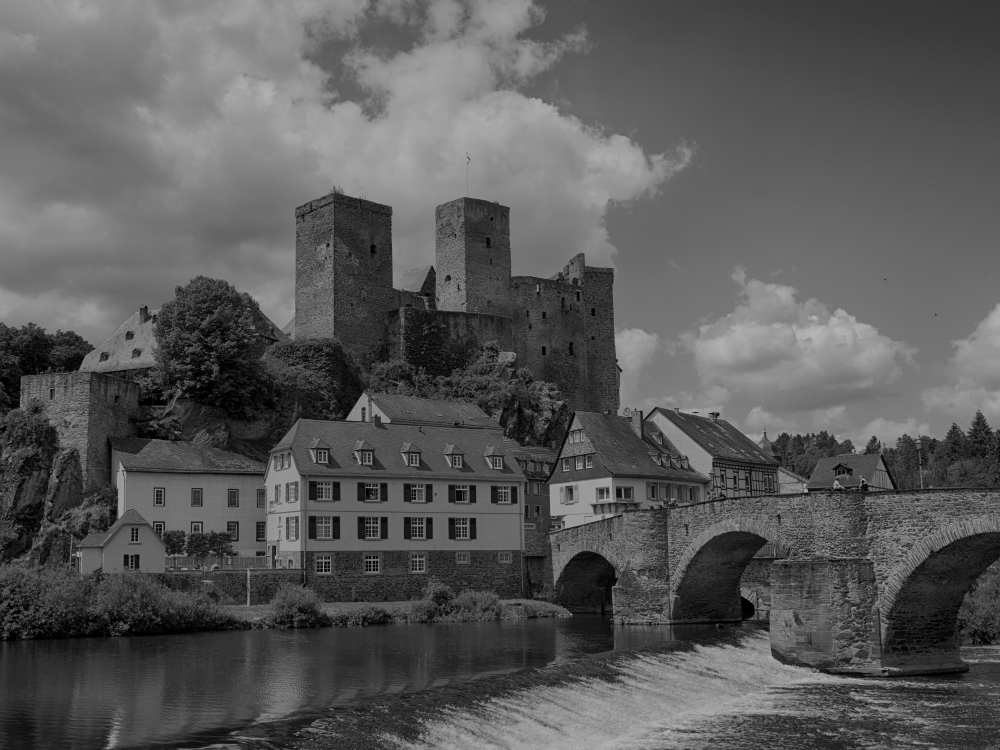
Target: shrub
{"type": "Point", "coordinates": [423, 611]}
{"type": "Point", "coordinates": [296, 607]}
{"type": "Point", "coordinates": [42, 603]}
{"type": "Point", "coordinates": [471, 606]}
{"type": "Point", "coordinates": [438, 593]}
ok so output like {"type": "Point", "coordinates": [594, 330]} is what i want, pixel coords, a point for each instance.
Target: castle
{"type": "Point", "coordinates": [561, 328]}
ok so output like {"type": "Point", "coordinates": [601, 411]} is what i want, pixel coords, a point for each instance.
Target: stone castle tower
{"type": "Point", "coordinates": [472, 257]}
{"type": "Point", "coordinates": [561, 328]}
{"type": "Point", "coordinates": [343, 270]}
{"type": "Point", "coordinates": [87, 409]}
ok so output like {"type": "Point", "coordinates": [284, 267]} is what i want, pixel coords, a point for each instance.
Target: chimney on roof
{"type": "Point", "coordinates": [143, 313]}
{"type": "Point", "coordinates": [677, 410]}
{"type": "Point", "coordinates": [714, 415]}
{"type": "Point", "coordinates": [635, 419]}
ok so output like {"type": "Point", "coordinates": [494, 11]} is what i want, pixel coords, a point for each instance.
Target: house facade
{"type": "Point", "coordinates": [609, 464]}
{"type": "Point", "coordinates": [735, 464]}
{"type": "Point", "coordinates": [191, 488]}
{"type": "Point", "coordinates": [537, 464]}
{"type": "Point", "coordinates": [370, 510]}
{"type": "Point", "coordinates": [130, 545]}
{"type": "Point", "coordinates": [847, 471]}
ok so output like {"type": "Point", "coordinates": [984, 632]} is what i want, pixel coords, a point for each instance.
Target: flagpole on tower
{"type": "Point", "coordinates": [467, 160]}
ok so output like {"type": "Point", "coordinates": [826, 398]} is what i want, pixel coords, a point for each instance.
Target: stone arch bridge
{"type": "Point", "coordinates": [869, 582]}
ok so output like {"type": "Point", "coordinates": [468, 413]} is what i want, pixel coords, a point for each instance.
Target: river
{"type": "Point", "coordinates": [564, 684]}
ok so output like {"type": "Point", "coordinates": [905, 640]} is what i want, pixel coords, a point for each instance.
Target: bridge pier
{"type": "Point", "coordinates": [641, 598]}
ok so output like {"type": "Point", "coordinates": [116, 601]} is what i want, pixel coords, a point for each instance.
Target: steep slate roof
{"type": "Point", "coordinates": [428, 411]}
{"type": "Point", "coordinates": [119, 350]}
{"type": "Point", "coordinates": [386, 438]}
{"type": "Point", "coordinates": [719, 438]}
{"type": "Point", "coordinates": [864, 465]}
{"type": "Point", "coordinates": [131, 517]}
{"type": "Point", "coordinates": [618, 451]}
{"type": "Point", "coordinates": [143, 454]}
{"type": "Point", "coordinates": [416, 279]}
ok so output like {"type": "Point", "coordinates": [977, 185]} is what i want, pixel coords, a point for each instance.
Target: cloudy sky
{"type": "Point", "coordinates": [800, 199]}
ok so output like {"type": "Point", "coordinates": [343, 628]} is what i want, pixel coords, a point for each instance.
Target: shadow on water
{"type": "Point", "coordinates": [190, 690]}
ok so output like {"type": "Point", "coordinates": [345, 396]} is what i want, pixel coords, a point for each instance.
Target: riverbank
{"type": "Point", "coordinates": [349, 614]}
{"type": "Point", "coordinates": [45, 603]}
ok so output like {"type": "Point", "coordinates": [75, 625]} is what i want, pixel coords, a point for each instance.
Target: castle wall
{"type": "Point", "coordinates": [439, 340]}
{"type": "Point", "coordinates": [472, 256]}
{"type": "Point", "coordinates": [343, 271]}
{"type": "Point", "coordinates": [86, 408]}
{"type": "Point", "coordinates": [548, 320]}
{"type": "Point", "coordinates": [599, 325]}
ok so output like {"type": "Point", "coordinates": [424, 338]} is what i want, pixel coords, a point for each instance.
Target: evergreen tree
{"type": "Point", "coordinates": [980, 438]}
{"type": "Point", "coordinates": [873, 447]}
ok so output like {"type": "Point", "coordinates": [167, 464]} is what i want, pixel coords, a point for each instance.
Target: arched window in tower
{"type": "Point", "coordinates": [543, 351]}
{"type": "Point", "coordinates": [563, 305]}
{"type": "Point", "coordinates": [489, 243]}
{"type": "Point", "coordinates": [578, 296]}
{"type": "Point", "coordinates": [527, 313]}
{"type": "Point", "coordinates": [570, 347]}
{"type": "Point", "coordinates": [593, 312]}
{"type": "Point", "coordinates": [447, 278]}
{"type": "Point", "coordinates": [373, 248]}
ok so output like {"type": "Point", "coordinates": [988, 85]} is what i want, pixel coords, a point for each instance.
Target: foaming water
{"type": "Point", "coordinates": [651, 698]}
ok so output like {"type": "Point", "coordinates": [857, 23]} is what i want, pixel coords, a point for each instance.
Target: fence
{"type": "Point", "coordinates": [207, 563]}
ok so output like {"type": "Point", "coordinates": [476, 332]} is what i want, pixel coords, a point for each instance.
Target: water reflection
{"type": "Point", "coordinates": [137, 692]}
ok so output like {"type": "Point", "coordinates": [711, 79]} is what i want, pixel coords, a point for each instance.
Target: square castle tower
{"type": "Point", "coordinates": [561, 328]}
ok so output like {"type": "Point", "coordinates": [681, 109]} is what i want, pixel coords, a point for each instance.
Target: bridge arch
{"type": "Point", "coordinates": [586, 574]}
{"type": "Point", "coordinates": [706, 580]}
{"type": "Point", "coordinates": [920, 598]}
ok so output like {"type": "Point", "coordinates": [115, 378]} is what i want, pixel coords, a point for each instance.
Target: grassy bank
{"type": "Point", "coordinates": [57, 603]}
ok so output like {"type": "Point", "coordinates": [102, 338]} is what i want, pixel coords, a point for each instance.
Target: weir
{"type": "Point", "coordinates": [868, 583]}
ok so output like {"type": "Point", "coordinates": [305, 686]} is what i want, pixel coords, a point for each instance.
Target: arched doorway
{"type": "Point", "coordinates": [586, 583]}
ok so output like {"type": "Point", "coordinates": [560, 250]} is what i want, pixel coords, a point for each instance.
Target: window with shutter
{"type": "Point", "coordinates": [385, 527]}
{"type": "Point", "coordinates": [407, 523]}
{"type": "Point", "coordinates": [406, 493]}
{"type": "Point", "coordinates": [472, 528]}
{"type": "Point", "coordinates": [428, 493]}
{"type": "Point", "coordinates": [312, 527]}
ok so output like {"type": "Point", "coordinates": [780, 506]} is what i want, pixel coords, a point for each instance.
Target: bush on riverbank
{"type": "Point", "coordinates": [57, 603]}
{"type": "Point", "coordinates": [441, 604]}
{"type": "Point", "coordinates": [979, 615]}
{"type": "Point", "coordinates": [296, 607]}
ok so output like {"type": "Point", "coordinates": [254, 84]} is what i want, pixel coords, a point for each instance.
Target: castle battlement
{"type": "Point", "coordinates": [562, 328]}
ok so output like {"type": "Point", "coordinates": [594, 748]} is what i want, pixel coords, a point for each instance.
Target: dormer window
{"type": "Point", "coordinates": [136, 353]}
{"type": "Point", "coordinates": [366, 458]}
{"type": "Point", "coordinates": [104, 356]}
{"type": "Point", "coordinates": [454, 456]}
{"type": "Point", "coordinates": [456, 461]}
{"type": "Point", "coordinates": [129, 336]}
{"type": "Point", "coordinates": [496, 462]}
{"type": "Point", "coordinates": [413, 459]}
{"type": "Point", "coordinates": [843, 471]}
{"type": "Point", "coordinates": [364, 454]}
{"type": "Point", "coordinates": [322, 456]}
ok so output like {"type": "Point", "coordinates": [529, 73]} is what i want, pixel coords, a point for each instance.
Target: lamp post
{"type": "Point", "coordinates": [920, 468]}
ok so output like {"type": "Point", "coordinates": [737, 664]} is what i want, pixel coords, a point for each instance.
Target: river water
{"type": "Point", "coordinates": [564, 684]}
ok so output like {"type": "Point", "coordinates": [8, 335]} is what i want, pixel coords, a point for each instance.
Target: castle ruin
{"type": "Point", "coordinates": [561, 328]}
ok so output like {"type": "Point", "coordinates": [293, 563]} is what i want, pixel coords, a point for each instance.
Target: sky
{"type": "Point", "coordinates": [800, 200]}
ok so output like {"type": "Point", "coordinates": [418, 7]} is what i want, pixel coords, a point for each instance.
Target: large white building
{"type": "Point", "coordinates": [376, 508]}
{"type": "Point", "coordinates": [192, 488]}
{"type": "Point", "coordinates": [610, 464]}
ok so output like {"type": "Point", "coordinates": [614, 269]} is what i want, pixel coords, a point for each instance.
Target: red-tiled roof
{"type": "Point", "coordinates": [143, 454]}
{"type": "Point", "coordinates": [719, 438]}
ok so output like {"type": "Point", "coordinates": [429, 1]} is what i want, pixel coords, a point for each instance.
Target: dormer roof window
{"type": "Point", "coordinates": [364, 454]}
{"type": "Point", "coordinates": [575, 436]}
{"type": "Point", "coordinates": [454, 456]}
{"type": "Point", "coordinates": [842, 471]}
{"type": "Point", "coordinates": [320, 451]}
{"type": "Point", "coordinates": [136, 353]}
{"type": "Point", "coordinates": [129, 335]}
{"type": "Point", "coordinates": [494, 457]}
{"type": "Point", "coordinates": [104, 356]}
{"type": "Point", "coordinates": [410, 453]}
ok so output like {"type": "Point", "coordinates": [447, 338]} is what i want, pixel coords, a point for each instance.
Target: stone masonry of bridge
{"type": "Point", "coordinates": [870, 582]}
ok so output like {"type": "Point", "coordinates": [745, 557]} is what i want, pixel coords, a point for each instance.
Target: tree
{"type": "Point", "coordinates": [68, 350]}
{"type": "Point", "coordinates": [980, 438]}
{"type": "Point", "coordinates": [210, 338]}
{"type": "Point", "coordinates": [220, 544]}
{"type": "Point", "coordinates": [873, 447]}
{"type": "Point", "coordinates": [32, 347]}
{"type": "Point", "coordinates": [197, 545]}
{"type": "Point", "coordinates": [176, 540]}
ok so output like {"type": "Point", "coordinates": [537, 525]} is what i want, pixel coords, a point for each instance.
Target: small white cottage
{"type": "Point", "coordinates": [130, 544]}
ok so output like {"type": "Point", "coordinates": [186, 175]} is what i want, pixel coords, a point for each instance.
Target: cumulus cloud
{"type": "Point", "coordinates": [146, 142]}
{"type": "Point", "coordinates": [637, 349]}
{"type": "Point", "coordinates": [759, 420]}
{"type": "Point", "coordinates": [974, 374]}
{"type": "Point", "coordinates": [887, 431]}
{"type": "Point", "coordinates": [791, 355]}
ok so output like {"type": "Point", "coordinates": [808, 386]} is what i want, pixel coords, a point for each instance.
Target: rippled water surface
{"type": "Point", "coordinates": [567, 684]}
